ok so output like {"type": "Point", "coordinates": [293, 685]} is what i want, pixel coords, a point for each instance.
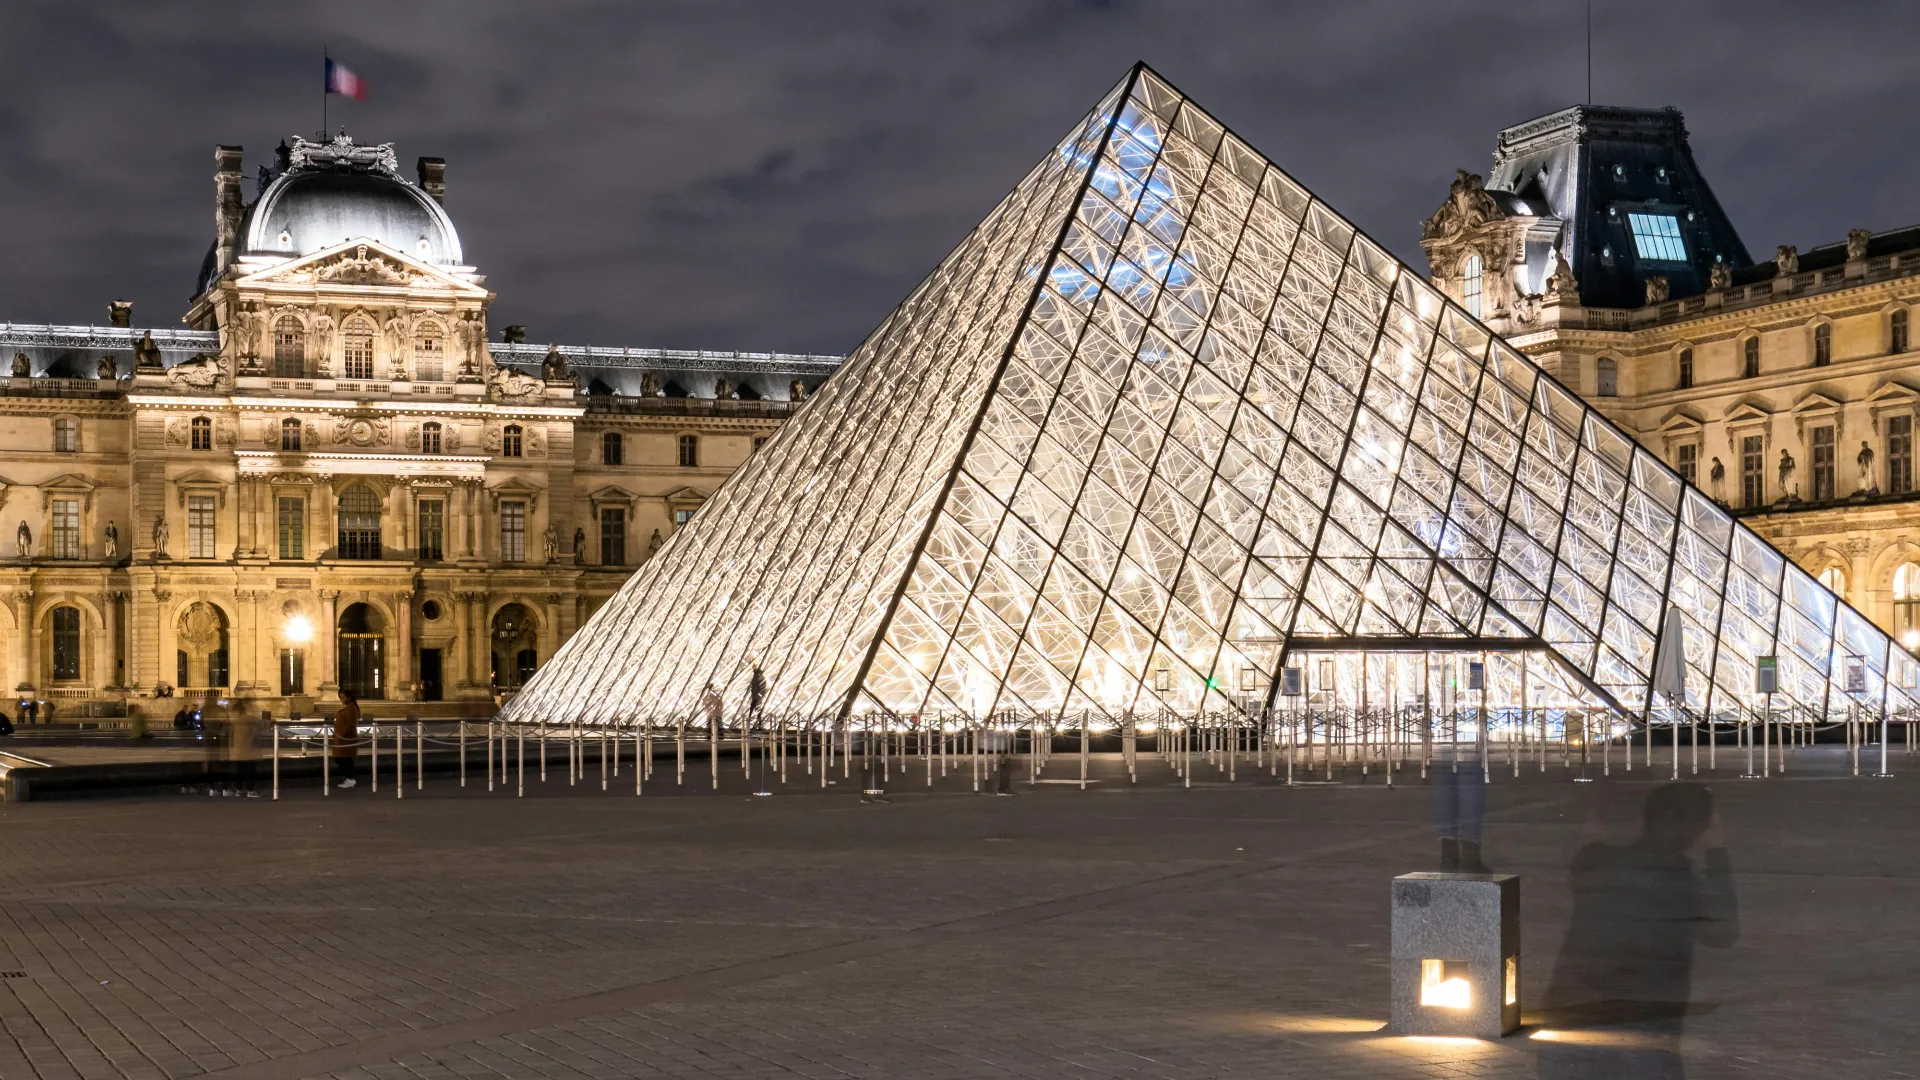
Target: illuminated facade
{"type": "Point", "coordinates": [333, 478]}
{"type": "Point", "coordinates": [1785, 389]}
{"type": "Point", "coordinates": [1163, 425]}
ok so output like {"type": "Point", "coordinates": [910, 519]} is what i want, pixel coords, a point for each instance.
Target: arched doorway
{"type": "Point", "coordinates": [362, 652]}
{"type": "Point", "coordinates": [200, 653]}
{"type": "Point", "coordinates": [515, 647]}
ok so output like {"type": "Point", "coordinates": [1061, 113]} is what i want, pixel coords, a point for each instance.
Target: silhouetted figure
{"type": "Point", "coordinates": [1460, 811]}
{"type": "Point", "coordinates": [1625, 970]}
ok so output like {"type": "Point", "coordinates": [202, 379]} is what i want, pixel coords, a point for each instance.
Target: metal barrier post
{"type": "Point", "coordinates": [276, 761]}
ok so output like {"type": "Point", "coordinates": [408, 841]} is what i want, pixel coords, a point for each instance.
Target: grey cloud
{"type": "Point", "coordinates": [777, 175]}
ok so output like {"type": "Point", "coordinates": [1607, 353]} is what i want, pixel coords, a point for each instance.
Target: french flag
{"type": "Point", "coordinates": [341, 80]}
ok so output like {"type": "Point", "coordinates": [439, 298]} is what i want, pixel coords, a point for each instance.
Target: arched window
{"type": "Point", "coordinates": [1823, 345]}
{"type": "Point", "coordinates": [66, 643]}
{"type": "Point", "coordinates": [1470, 285]}
{"type": "Point", "coordinates": [510, 441]}
{"type": "Point", "coordinates": [290, 434]}
{"type": "Point", "coordinates": [289, 348]}
{"type": "Point", "coordinates": [359, 523]}
{"type": "Point", "coordinates": [430, 437]}
{"type": "Point", "coordinates": [1834, 580]}
{"type": "Point", "coordinates": [1750, 358]}
{"type": "Point", "coordinates": [689, 451]}
{"type": "Point", "coordinates": [1906, 604]}
{"type": "Point", "coordinates": [1606, 377]}
{"type": "Point", "coordinates": [610, 448]}
{"type": "Point", "coordinates": [1897, 331]}
{"type": "Point", "coordinates": [202, 432]}
{"type": "Point", "coordinates": [1686, 370]}
{"type": "Point", "coordinates": [66, 435]}
{"type": "Point", "coordinates": [429, 352]}
{"type": "Point", "coordinates": [357, 354]}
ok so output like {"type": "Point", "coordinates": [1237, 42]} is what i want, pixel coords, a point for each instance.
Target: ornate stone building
{"type": "Point", "coordinates": [1785, 388]}
{"type": "Point", "coordinates": [334, 478]}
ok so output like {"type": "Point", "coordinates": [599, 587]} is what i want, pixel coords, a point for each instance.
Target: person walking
{"type": "Point", "coordinates": [346, 740]}
{"type": "Point", "coordinates": [212, 760]}
{"type": "Point", "coordinates": [243, 750]}
{"type": "Point", "coordinates": [711, 702]}
{"type": "Point", "coordinates": [756, 691]}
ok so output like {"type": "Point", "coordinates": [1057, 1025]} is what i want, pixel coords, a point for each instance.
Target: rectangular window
{"type": "Point", "coordinates": [689, 451]}
{"type": "Point", "coordinates": [293, 671]}
{"type": "Point", "coordinates": [291, 515]}
{"type": "Point", "coordinates": [66, 436]}
{"type": "Point", "coordinates": [1753, 477]}
{"type": "Point", "coordinates": [66, 529]}
{"type": "Point", "coordinates": [433, 527]}
{"type": "Point", "coordinates": [613, 536]}
{"type": "Point", "coordinates": [759, 441]}
{"type": "Point", "coordinates": [66, 643]}
{"type": "Point", "coordinates": [681, 517]}
{"type": "Point", "coordinates": [200, 527]}
{"type": "Point", "coordinates": [1686, 462]}
{"type": "Point", "coordinates": [1657, 237]}
{"type": "Point", "coordinates": [1821, 451]}
{"type": "Point", "coordinates": [1899, 454]}
{"type": "Point", "coordinates": [513, 532]}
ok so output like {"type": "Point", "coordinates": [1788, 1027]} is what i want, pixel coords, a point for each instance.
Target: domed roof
{"type": "Point", "coordinates": [322, 194]}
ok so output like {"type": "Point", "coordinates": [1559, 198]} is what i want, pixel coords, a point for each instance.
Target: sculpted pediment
{"type": "Point", "coordinates": [361, 263]}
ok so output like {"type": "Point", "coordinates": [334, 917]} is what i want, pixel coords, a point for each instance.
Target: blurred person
{"type": "Point", "coordinates": [346, 740]}
{"type": "Point", "coordinates": [243, 749]}
{"type": "Point", "coordinates": [1625, 969]}
{"type": "Point", "coordinates": [1460, 812]}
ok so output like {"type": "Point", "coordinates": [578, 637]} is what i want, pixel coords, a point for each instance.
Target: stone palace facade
{"type": "Point", "coordinates": [335, 477]}
{"type": "Point", "coordinates": [1787, 389]}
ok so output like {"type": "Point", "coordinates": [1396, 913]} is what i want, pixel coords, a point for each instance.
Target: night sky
{"type": "Point", "coordinates": [778, 175]}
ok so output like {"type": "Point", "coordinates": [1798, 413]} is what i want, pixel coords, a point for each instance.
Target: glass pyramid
{"type": "Point", "coordinates": [1162, 420]}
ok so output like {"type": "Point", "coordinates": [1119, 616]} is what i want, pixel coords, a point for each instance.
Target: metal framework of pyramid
{"type": "Point", "coordinates": [1162, 419]}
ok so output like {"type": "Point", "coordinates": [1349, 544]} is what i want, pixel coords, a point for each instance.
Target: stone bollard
{"type": "Point", "coordinates": [1456, 955]}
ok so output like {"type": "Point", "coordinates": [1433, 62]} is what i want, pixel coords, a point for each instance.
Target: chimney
{"type": "Point", "coordinates": [433, 177]}
{"type": "Point", "coordinates": [226, 203]}
{"type": "Point", "coordinates": [120, 312]}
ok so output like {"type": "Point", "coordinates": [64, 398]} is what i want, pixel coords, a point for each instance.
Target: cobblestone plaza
{"type": "Point", "coordinates": [1145, 931]}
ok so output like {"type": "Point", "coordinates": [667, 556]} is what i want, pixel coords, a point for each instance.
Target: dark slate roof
{"type": "Point", "coordinates": [1590, 166]}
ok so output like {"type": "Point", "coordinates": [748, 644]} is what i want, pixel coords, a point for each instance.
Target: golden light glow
{"type": "Point", "coordinates": [1443, 985]}
{"type": "Point", "coordinates": [297, 630]}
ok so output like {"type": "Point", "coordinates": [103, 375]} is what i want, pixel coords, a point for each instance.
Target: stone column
{"type": "Point", "coordinates": [462, 676]}
{"type": "Point", "coordinates": [114, 659]}
{"type": "Point", "coordinates": [550, 633]}
{"type": "Point", "coordinates": [402, 677]}
{"type": "Point", "coordinates": [165, 669]}
{"type": "Point", "coordinates": [326, 636]}
{"type": "Point", "coordinates": [246, 662]}
{"type": "Point", "coordinates": [23, 652]}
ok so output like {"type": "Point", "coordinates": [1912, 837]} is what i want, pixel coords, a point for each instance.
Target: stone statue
{"type": "Point", "coordinates": [1786, 261]}
{"type": "Point", "coordinates": [201, 373]}
{"type": "Point", "coordinates": [653, 542]}
{"type": "Point", "coordinates": [1865, 460]}
{"type": "Point", "coordinates": [23, 537]}
{"type": "Point", "coordinates": [1467, 205]}
{"type": "Point", "coordinates": [1717, 481]}
{"type": "Point", "coordinates": [1560, 282]}
{"type": "Point", "coordinates": [579, 546]}
{"type": "Point", "coordinates": [108, 371]}
{"type": "Point", "coordinates": [796, 391]}
{"type": "Point", "coordinates": [160, 535]}
{"type": "Point", "coordinates": [1787, 467]}
{"type": "Point", "coordinates": [723, 388]}
{"type": "Point", "coordinates": [22, 367]}
{"type": "Point", "coordinates": [1720, 276]}
{"type": "Point", "coordinates": [649, 384]}
{"type": "Point", "coordinates": [1857, 240]}
{"type": "Point", "coordinates": [1657, 288]}
{"type": "Point", "coordinates": [553, 366]}
{"type": "Point", "coordinates": [110, 544]}
{"type": "Point", "coordinates": [552, 544]}
{"type": "Point", "coordinates": [146, 354]}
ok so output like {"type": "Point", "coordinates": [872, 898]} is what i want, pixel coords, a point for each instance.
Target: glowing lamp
{"type": "Point", "coordinates": [1910, 638]}
{"type": "Point", "coordinates": [297, 630]}
{"type": "Point", "coordinates": [1456, 955]}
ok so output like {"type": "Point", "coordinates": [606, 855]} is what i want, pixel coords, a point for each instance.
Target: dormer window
{"type": "Point", "coordinates": [286, 240]}
{"type": "Point", "coordinates": [1660, 173]}
{"type": "Point", "coordinates": [423, 248]}
{"type": "Point", "coordinates": [1470, 285]}
{"type": "Point", "coordinates": [1657, 237]}
{"type": "Point", "coordinates": [1619, 172]}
